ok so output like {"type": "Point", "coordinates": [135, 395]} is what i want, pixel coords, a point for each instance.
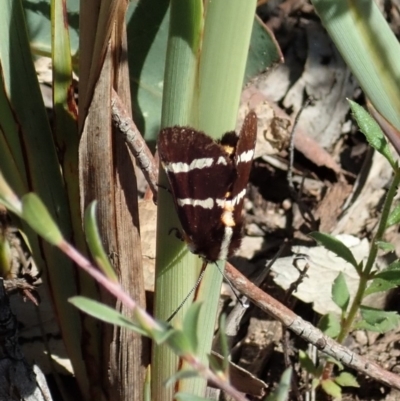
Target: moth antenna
{"type": "Point", "coordinates": [203, 270]}
{"type": "Point", "coordinates": [244, 305]}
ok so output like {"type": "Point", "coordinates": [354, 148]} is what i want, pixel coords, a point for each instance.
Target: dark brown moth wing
{"type": "Point", "coordinates": [243, 159]}
{"type": "Point", "coordinates": [208, 181]}
{"type": "Point", "coordinates": [200, 172]}
{"type": "Point", "coordinates": [242, 146]}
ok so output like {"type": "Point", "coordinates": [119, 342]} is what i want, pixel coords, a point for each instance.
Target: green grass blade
{"type": "Point", "coordinates": [369, 48]}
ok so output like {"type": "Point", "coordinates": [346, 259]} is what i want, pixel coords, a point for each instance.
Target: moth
{"type": "Point", "coordinates": [208, 182]}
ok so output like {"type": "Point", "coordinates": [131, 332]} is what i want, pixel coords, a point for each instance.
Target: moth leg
{"type": "Point", "coordinates": [165, 188]}
{"type": "Point", "coordinates": [178, 234]}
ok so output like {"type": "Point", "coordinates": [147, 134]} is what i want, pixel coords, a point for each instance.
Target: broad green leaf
{"type": "Point", "coordinates": [370, 128]}
{"type": "Point", "coordinates": [331, 388]}
{"type": "Point", "coordinates": [385, 246]}
{"type": "Point", "coordinates": [370, 49]}
{"type": "Point", "coordinates": [39, 25]}
{"type": "Point", "coordinates": [202, 89]}
{"type": "Point", "coordinates": [346, 379]}
{"type": "Point", "coordinates": [281, 393]}
{"type": "Point", "coordinates": [105, 313]}
{"type": "Point", "coordinates": [147, 28]}
{"type": "Point", "coordinates": [95, 244]}
{"type": "Point", "coordinates": [329, 324]}
{"type": "Point", "coordinates": [335, 246]}
{"type": "Point", "coordinates": [35, 213]}
{"type": "Point", "coordinates": [377, 320]}
{"type": "Point", "coordinates": [306, 363]}
{"type": "Point", "coordinates": [394, 217]}
{"type": "Point", "coordinates": [340, 292]}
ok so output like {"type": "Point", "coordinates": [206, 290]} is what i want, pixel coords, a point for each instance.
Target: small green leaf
{"type": "Point", "coordinates": [385, 246]}
{"type": "Point", "coordinates": [334, 245]}
{"type": "Point", "coordinates": [385, 280]}
{"type": "Point", "coordinates": [147, 385]}
{"type": "Point", "coordinates": [182, 374]}
{"type": "Point", "coordinates": [331, 388]}
{"type": "Point", "coordinates": [224, 347]}
{"type": "Point", "coordinates": [379, 285]}
{"type": "Point", "coordinates": [335, 362]}
{"type": "Point", "coordinates": [391, 273]}
{"type": "Point", "coordinates": [5, 255]}
{"type": "Point", "coordinates": [340, 292]}
{"type": "Point", "coordinates": [394, 217]}
{"type": "Point", "coordinates": [315, 383]}
{"type": "Point", "coordinates": [104, 313]}
{"type": "Point", "coordinates": [346, 379]}
{"type": "Point", "coordinates": [190, 325]}
{"type": "Point", "coordinates": [372, 131]}
{"type": "Point", "coordinates": [35, 213]}
{"type": "Point", "coordinates": [180, 343]}
{"type": "Point", "coordinates": [95, 244]}
{"type": "Point", "coordinates": [377, 320]}
{"type": "Point", "coordinates": [281, 393]}
{"type": "Point", "coordinates": [329, 324]}
{"type": "Point", "coordinates": [215, 362]}
{"type": "Point", "coordinates": [157, 330]}
{"type": "Point", "coordinates": [306, 363]}
{"type": "Point", "coordinates": [8, 198]}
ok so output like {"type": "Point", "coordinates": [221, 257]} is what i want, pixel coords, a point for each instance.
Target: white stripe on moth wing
{"type": "Point", "coordinates": [186, 167]}
{"type": "Point", "coordinates": [222, 160]}
{"type": "Point", "coordinates": [204, 203]}
{"type": "Point", "coordinates": [246, 157]}
{"type": "Point", "coordinates": [231, 203]}
{"type": "Point", "coordinates": [223, 253]}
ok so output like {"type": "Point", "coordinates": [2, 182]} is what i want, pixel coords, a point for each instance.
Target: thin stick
{"type": "Point", "coordinates": [135, 142]}
{"type": "Point", "coordinates": [307, 216]}
{"type": "Point", "coordinates": [309, 333]}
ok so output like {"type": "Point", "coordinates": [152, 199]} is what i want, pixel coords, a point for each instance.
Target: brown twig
{"type": "Point", "coordinates": [135, 142]}
{"type": "Point", "coordinates": [308, 332]}
{"type": "Point", "coordinates": [286, 335]}
{"type": "Point", "coordinates": [305, 212]}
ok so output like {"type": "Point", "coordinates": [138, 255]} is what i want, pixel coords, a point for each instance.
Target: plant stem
{"type": "Point", "coordinates": [365, 275]}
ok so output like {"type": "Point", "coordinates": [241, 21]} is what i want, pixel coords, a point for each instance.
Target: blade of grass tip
{"type": "Point", "coordinates": [8, 198]}
{"type": "Point", "coordinates": [370, 49]}
{"type": "Point", "coordinates": [94, 242]}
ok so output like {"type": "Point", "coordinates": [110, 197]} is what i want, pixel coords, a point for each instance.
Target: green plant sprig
{"type": "Point", "coordinates": [183, 341]}
{"type": "Point", "coordinates": [371, 318]}
{"type": "Point", "coordinates": [366, 273]}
